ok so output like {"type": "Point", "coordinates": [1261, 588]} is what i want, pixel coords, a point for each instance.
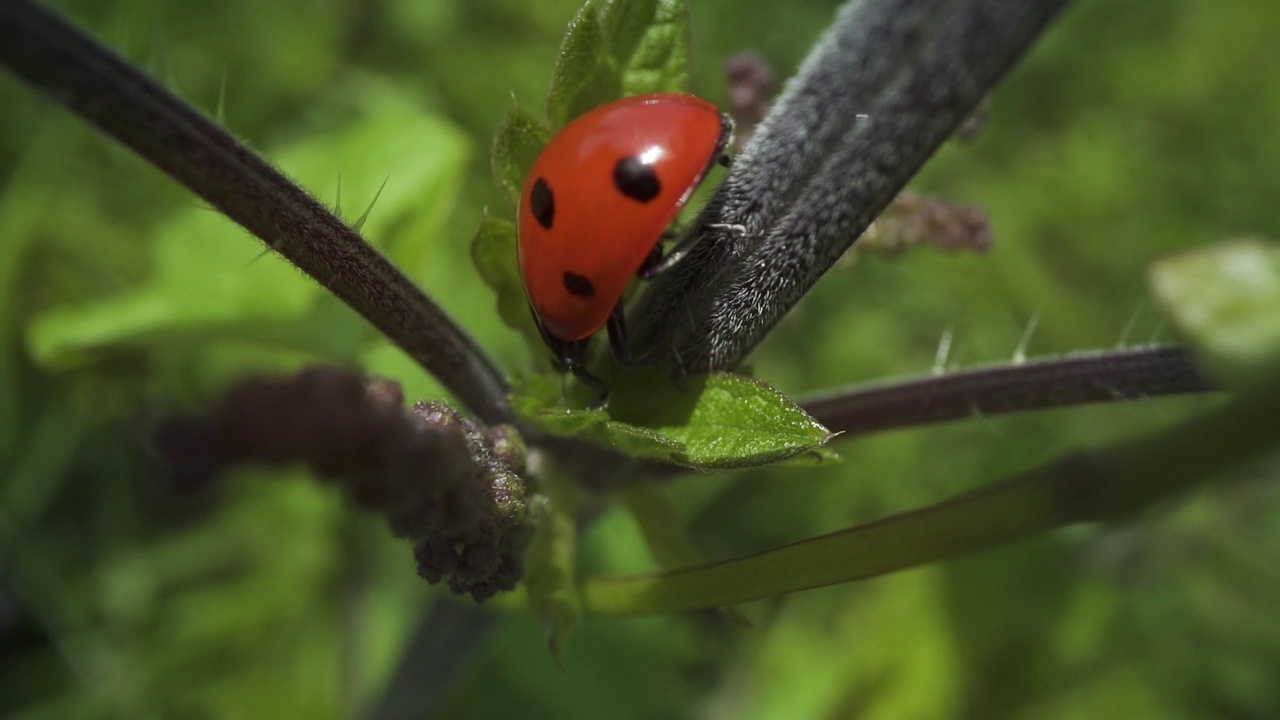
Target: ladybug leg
{"type": "Point", "coordinates": [657, 263]}
{"type": "Point", "coordinates": [617, 330]}
{"type": "Point", "coordinates": [654, 266]}
{"type": "Point", "coordinates": [571, 357]}
{"type": "Point", "coordinates": [649, 267]}
{"type": "Point", "coordinates": [725, 160]}
{"type": "Point", "coordinates": [596, 384]}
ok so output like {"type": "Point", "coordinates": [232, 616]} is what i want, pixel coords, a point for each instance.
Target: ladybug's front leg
{"type": "Point", "coordinates": [657, 263]}
{"type": "Point", "coordinates": [571, 357]}
{"type": "Point", "coordinates": [579, 370]}
{"type": "Point", "coordinates": [654, 263]}
{"type": "Point", "coordinates": [617, 330]}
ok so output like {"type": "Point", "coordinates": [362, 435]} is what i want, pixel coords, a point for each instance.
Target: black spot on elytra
{"type": "Point", "coordinates": [542, 203]}
{"type": "Point", "coordinates": [579, 285]}
{"type": "Point", "coordinates": [635, 179]}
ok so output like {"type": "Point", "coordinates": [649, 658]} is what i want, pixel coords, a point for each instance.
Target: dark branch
{"type": "Point", "coordinates": [801, 214]}
{"type": "Point", "coordinates": [450, 485]}
{"type": "Point", "coordinates": [73, 69]}
{"type": "Point", "coordinates": [1076, 379]}
{"type": "Point", "coordinates": [869, 45]}
{"type": "Point", "coordinates": [436, 656]}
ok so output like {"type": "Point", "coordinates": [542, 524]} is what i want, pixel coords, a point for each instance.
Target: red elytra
{"type": "Point", "coordinates": [596, 204]}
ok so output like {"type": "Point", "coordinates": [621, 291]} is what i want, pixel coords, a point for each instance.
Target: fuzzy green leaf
{"type": "Point", "coordinates": [537, 399]}
{"type": "Point", "coordinates": [622, 47]}
{"type": "Point", "coordinates": [649, 39]}
{"type": "Point", "coordinates": [1225, 300]}
{"type": "Point", "coordinates": [735, 421]}
{"type": "Point", "coordinates": [720, 421]}
{"type": "Point", "coordinates": [515, 148]}
{"type": "Point", "coordinates": [625, 23]}
{"type": "Point", "coordinates": [586, 75]}
{"type": "Point", "coordinates": [493, 250]}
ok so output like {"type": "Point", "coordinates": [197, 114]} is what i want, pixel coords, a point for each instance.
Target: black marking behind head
{"type": "Point", "coordinates": [635, 179]}
{"type": "Point", "coordinates": [542, 203]}
{"type": "Point", "coordinates": [579, 285]}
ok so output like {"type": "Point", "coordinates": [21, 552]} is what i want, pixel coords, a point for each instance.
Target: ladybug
{"type": "Point", "coordinates": [595, 207]}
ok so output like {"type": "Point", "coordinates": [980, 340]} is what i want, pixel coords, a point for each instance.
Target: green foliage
{"type": "Point", "coordinates": [721, 421]}
{"type": "Point", "coordinates": [1225, 300]}
{"type": "Point", "coordinates": [725, 422]}
{"type": "Point", "coordinates": [619, 47]}
{"type": "Point", "coordinates": [1134, 131]}
{"type": "Point", "coordinates": [493, 250]}
{"type": "Point", "coordinates": [651, 42]}
{"type": "Point", "coordinates": [584, 76]}
{"type": "Point", "coordinates": [515, 148]}
{"type": "Point", "coordinates": [208, 276]}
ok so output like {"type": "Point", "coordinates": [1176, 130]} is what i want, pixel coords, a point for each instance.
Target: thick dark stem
{"type": "Point", "coordinates": [72, 68]}
{"type": "Point", "coordinates": [868, 46]}
{"type": "Point", "coordinates": [849, 160]}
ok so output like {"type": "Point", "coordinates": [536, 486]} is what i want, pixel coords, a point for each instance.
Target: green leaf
{"type": "Point", "coordinates": [735, 422]}
{"type": "Point", "coordinates": [40, 468]}
{"type": "Point", "coordinates": [210, 276]}
{"type": "Point", "coordinates": [720, 421]}
{"type": "Point", "coordinates": [493, 250]}
{"type": "Point", "coordinates": [550, 579]}
{"type": "Point", "coordinates": [1225, 300]}
{"type": "Point", "coordinates": [622, 47]}
{"type": "Point", "coordinates": [625, 24]}
{"type": "Point", "coordinates": [649, 39]}
{"type": "Point", "coordinates": [537, 400]}
{"type": "Point", "coordinates": [585, 75]}
{"type": "Point", "coordinates": [519, 140]}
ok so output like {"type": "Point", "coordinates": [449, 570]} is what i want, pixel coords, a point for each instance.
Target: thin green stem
{"type": "Point", "coordinates": [1100, 486]}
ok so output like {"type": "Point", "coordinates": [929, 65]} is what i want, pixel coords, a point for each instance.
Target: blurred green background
{"type": "Point", "coordinates": [1132, 130]}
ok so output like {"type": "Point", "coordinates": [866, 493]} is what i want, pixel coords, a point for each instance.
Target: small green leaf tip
{"type": "Point", "coordinates": [1225, 300]}
{"type": "Point", "coordinates": [519, 140]}
{"type": "Point", "coordinates": [619, 48]}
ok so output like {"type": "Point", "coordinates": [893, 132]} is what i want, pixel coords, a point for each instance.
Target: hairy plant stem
{"type": "Point", "coordinates": [72, 68]}
{"type": "Point", "coordinates": [1063, 381]}
{"type": "Point", "coordinates": [868, 46]}
{"type": "Point", "coordinates": [775, 227]}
